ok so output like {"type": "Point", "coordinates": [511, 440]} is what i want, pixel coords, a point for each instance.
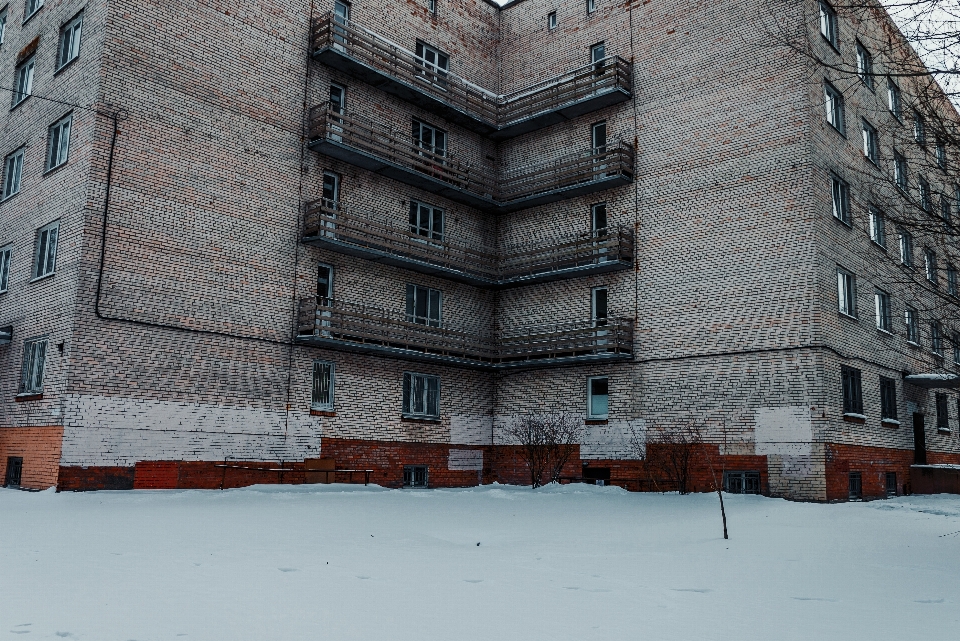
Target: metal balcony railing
{"type": "Point", "coordinates": [345, 44]}
{"type": "Point", "coordinates": [328, 224]}
{"type": "Point", "coordinates": [356, 140]}
{"type": "Point", "coordinates": [362, 328]}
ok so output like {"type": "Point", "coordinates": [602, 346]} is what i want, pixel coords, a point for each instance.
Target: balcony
{"type": "Point", "coordinates": [345, 45]}
{"type": "Point", "coordinates": [362, 143]}
{"type": "Point", "coordinates": [353, 327]}
{"type": "Point", "coordinates": [328, 225]}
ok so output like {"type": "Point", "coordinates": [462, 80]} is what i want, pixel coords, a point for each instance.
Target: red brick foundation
{"type": "Point", "coordinates": [40, 449]}
{"type": "Point", "coordinates": [873, 463]}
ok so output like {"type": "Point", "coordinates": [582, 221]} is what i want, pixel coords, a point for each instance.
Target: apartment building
{"type": "Point", "coordinates": [243, 240]}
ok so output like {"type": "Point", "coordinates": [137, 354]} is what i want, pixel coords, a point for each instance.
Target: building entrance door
{"type": "Point", "coordinates": [919, 440]}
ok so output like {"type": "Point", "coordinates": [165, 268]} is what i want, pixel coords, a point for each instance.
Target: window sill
{"type": "Point", "coordinates": [912, 344]}
{"type": "Point", "coordinates": [596, 421]}
{"type": "Point", "coordinates": [21, 398]}
{"type": "Point", "coordinates": [852, 417]}
{"type": "Point", "coordinates": [53, 169]}
{"type": "Point", "coordinates": [834, 127]}
{"type": "Point", "coordinates": [830, 42]}
{"type": "Point", "coordinates": [878, 245]}
{"type": "Point", "coordinates": [872, 161]}
{"type": "Point", "coordinates": [890, 422]}
{"type": "Point", "coordinates": [885, 332]}
{"type": "Point", "coordinates": [12, 107]}
{"type": "Point", "coordinates": [10, 197]}
{"type": "Point", "coordinates": [30, 17]}
{"type": "Point", "coordinates": [44, 277]}
{"type": "Point", "coordinates": [848, 317]}
{"type": "Point", "coordinates": [419, 419]}
{"type": "Point", "coordinates": [843, 222]}
{"type": "Point", "coordinates": [328, 413]}
{"type": "Point", "coordinates": [943, 430]}
{"type": "Point", "coordinates": [65, 65]}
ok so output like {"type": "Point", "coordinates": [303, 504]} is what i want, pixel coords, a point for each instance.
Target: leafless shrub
{"type": "Point", "coordinates": [547, 441]}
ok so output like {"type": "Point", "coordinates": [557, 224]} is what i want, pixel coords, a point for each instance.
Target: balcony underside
{"type": "Point", "coordinates": [365, 160]}
{"type": "Point", "coordinates": [452, 358]}
{"type": "Point", "coordinates": [337, 59]}
{"type": "Point", "coordinates": [391, 257]}
{"type": "Point", "coordinates": [424, 98]}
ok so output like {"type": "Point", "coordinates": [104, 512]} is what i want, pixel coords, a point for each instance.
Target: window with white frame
{"type": "Point", "coordinates": [925, 200]}
{"type": "Point", "coordinates": [936, 338]}
{"type": "Point", "coordinates": [69, 47]}
{"type": "Point", "coordinates": [871, 148]}
{"type": "Point", "coordinates": [919, 128]}
{"type": "Point", "coordinates": [424, 305]}
{"type": "Point", "coordinates": [31, 373]}
{"type": "Point", "coordinates": [951, 280]}
{"type": "Point", "coordinates": [322, 397]}
{"type": "Point", "coordinates": [426, 221]}
{"type": "Point", "coordinates": [865, 66]}
{"type": "Point", "coordinates": [882, 305]}
{"type": "Point", "coordinates": [591, 6]}
{"type": "Point", "coordinates": [878, 231]}
{"type": "Point", "coordinates": [58, 142]}
{"type": "Point", "coordinates": [432, 6]}
{"type": "Point", "coordinates": [5, 255]}
{"type": "Point", "coordinates": [894, 102]}
{"type": "Point", "coordinates": [552, 20]}
{"type": "Point", "coordinates": [45, 252]}
{"type": "Point", "coordinates": [940, 153]}
{"type": "Point", "coordinates": [930, 265]}
{"type": "Point", "coordinates": [841, 199]}
{"type": "Point", "coordinates": [3, 24]}
{"type": "Point", "coordinates": [12, 173]}
{"type": "Point", "coordinates": [906, 248]}
{"type": "Point", "coordinates": [32, 6]}
{"type": "Point", "coordinates": [847, 292]}
{"type": "Point", "coordinates": [421, 395]}
{"type": "Point", "coordinates": [828, 23]}
{"type": "Point", "coordinates": [912, 321]}
{"type": "Point", "coordinates": [900, 170]}
{"type": "Point", "coordinates": [23, 80]}
{"type": "Point", "coordinates": [434, 63]}
{"type": "Point", "coordinates": [598, 397]}
{"type": "Point", "coordinates": [833, 102]}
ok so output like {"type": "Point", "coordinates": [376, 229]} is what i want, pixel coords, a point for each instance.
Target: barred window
{"type": "Point", "coordinates": [69, 47]}
{"type": "Point", "coordinates": [45, 251]}
{"type": "Point", "coordinates": [888, 398]}
{"type": "Point", "coordinates": [855, 486]}
{"type": "Point", "coordinates": [852, 393]}
{"type": "Point", "coordinates": [841, 199]}
{"type": "Point", "coordinates": [833, 101]}
{"type": "Point", "coordinates": [421, 395]}
{"type": "Point", "coordinates": [31, 374]}
{"type": "Point", "coordinates": [12, 173]}
{"type": "Point", "coordinates": [5, 255]}
{"type": "Point", "coordinates": [58, 142]}
{"type": "Point", "coordinates": [322, 397]}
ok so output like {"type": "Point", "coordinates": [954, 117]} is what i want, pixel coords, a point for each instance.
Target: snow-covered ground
{"type": "Point", "coordinates": [496, 562]}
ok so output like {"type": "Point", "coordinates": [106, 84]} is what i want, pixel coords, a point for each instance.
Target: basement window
{"type": "Point", "coordinates": [741, 482]}
{"type": "Point", "coordinates": [415, 476]}
{"type": "Point", "coordinates": [891, 484]}
{"type": "Point", "coordinates": [14, 472]}
{"type": "Point", "coordinates": [855, 486]}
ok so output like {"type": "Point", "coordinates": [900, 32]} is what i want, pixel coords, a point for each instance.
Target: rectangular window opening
{"type": "Point", "coordinates": [322, 396]}
{"type": "Point", "coordinates": [833, 101]}
{"type": "Point", "coordinates": [415, 476]}
{"type": "Point", "coordinates": [852, 392]}
{"type": "Point", "coordinates": [34, 359]}
{"type": "Point", "coordinates": [421, 396]}
{"type": "Point", "coordinates": [841, 200]}
{"type": "Point", "coordinates": [847, 292]}
{"type": "Point", "coordinates": [45, 250]}
{"type": "Point", "coordinates": [597, 397]}
{"type": "Point", "coordinates": [58, 142]}
{"type": "Point", "coordinates": [888, 399]}
{"type": "Point", "coordinates": [69, 47]}
{"type": "Point", "coordinates": [552, 20]}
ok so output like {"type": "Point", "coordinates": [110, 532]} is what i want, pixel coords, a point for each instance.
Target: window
{"type": "Point", "coordinates": [865, 66]}
{"type": "Point", "coordinates": [833, 102]}
{"type": "Point", "coordinates": [597, 397]}
{"type": "Point", "coordinates": [432, 6]}
{"type": "Point", "coordinates": [891, 484]}
{"type": "Point", "coordinates": [421, 396]}
{"type": "Point", "coordinates": [3, 25]}
{"type": "Point", "coordinates": [925, 200]}
{"type": "Point", "coordinates": [956, 348]}
{"type": "Point", "coordinates": [58, 142]}
{"type": "Point", "coordinates": [415, 476]}
{"type": "Point", "coordinates": [12, 173]}
{"type": "Point", "coordinates": [881, 301]}
{"type": "Point", "coordinates": [847, 292]}
{"type": "Point", "coordinates": [32, 7]}
{"type": "Point", "coordinates": [919, 128]}
{"type": "Point", "coordinates": [331, 189]}
{"type": "Point", "coordinates": [951, 280]}
{"type": "Point", "coordinates": [943, 418]}
{"type": "Point", "coordinates": [893, 99]}
{"type": "Point", "coordinates": [322, 397]}
{"type": "Point", "coordinates": [424, 305]}
{"type": "Point", "coordinates": [338, 98]}
{"type": "Point", "coordinates": [598, 306]}
{"type": "Point", "coordinates": [23, 81]}
{"type": "Point", "coordinates": [5, 255]}
{"type": "Point", "coordinates": [930, 265]}
{"type": "Point", "coordinates": [598, 218]}
{"type": "Point", "coordinates": [552, 20]}
{"type": "Point", "coordinates": [598, 137]}
{"type": "Point", "coordinates": [429, 138]}
{"type": "Point", "coordinates": [828, 24]}
{"type": "Point", "coordinates": [940, 152]}
{"type": "Point", "coordinates": [878, 231]}
{"type": "Point", "coordinates": [45, 253]}
{"type": "Point", "coordinates": [900, 170]}
{"type": "Point", "coordinates": [913, 325]}
{"type": "Point", "coordinates": [855, 486]}
{"type": "Point", "coordinates": [69, 41]}
{"type": "Point", "coordinates": [14, 472]}
{"type": "Point", "coordinates": [434, 63]}
{"type": "Point", "coordinates": [906, 248]}
{"type": "Point", "coordinates": [946, 210]}
{"type": "Point", "coordinates": [936, 338]}
{"type": "Point", "coordinates": [841, 200]}
{"type": "Point", "coordinates": [888, 399]}
{"type": "Point", "coordinates": [591, 6]}
{"type": "Point", "coordinates": [870, 146]}
{"type": "Point", "coordinates": [852, 394]}
{"type": "Point", "coordinates": [598, 52]}
{"type": "Point", "coordinates": [341, 19]}
{"type": "Point", "coordinates": [31, 374]}
{"type": "Point", "coordinates": [741, 482]}
{"type": "Point", "coordinates": [426, 221]}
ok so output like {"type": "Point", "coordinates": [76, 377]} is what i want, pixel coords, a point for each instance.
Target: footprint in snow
{"type": "Point", "coordinates": [64, 634]}
{"type": "Point", "coordinates": [474, 580]}
{"type": "Point", "coordinates": [20, 631]}
{"type": "Point", "coordinates": [363, 577]}
{"type": "Point", "coordinates": [811, 598]}
{"type": "Point", "coordinates": [697, 590]}
{"type": "Point", "coordinates": [288, 569]}
{"type": "Point", "coordinates": [929, 601]}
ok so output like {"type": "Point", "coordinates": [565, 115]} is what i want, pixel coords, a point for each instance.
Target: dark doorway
{"type": "Point", "coordinates": [919, 440]}
{"type": "Point", "coordinates": [14, 470]}
{"type": "Point", "coordinates": [596, 475]}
